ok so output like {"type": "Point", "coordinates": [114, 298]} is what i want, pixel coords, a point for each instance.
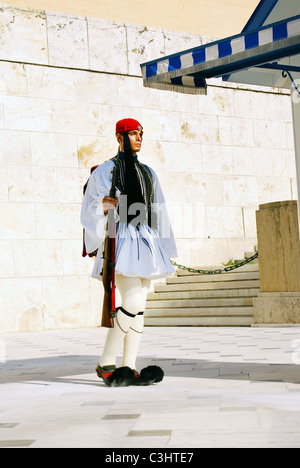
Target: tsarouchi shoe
{"type": "Point", "coordinates": [124, 376]}
{"type": "Point", "coordinates": [105, 372]}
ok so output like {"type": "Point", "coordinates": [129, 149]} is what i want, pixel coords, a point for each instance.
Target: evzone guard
{"type": "Point", "coordinates": [129, 194]}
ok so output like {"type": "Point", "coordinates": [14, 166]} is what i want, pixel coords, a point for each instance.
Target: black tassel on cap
{"type": "Point", "coordinates": [132, 184]}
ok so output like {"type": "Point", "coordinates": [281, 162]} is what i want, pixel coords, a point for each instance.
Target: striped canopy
{"type": "Point", "coordinates": [187, 71]}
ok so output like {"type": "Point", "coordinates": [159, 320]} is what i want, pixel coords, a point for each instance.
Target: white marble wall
{"type": "Point", "coordinates": [64, 81]}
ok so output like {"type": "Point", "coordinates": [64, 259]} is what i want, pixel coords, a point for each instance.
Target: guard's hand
{"type": "Point", "coordinates": [109, 203]}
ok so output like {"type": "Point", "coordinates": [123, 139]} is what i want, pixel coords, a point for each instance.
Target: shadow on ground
{"type": "Point", "coordinates": [71, 368]}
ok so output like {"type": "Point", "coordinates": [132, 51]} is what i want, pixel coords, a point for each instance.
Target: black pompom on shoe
{"type": "Point", "coordinates": [122, 377]}
{"type": "Point", "coordinates": [150, 375]}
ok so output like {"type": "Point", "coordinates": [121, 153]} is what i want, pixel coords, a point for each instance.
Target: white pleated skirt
{"type": "Point", "coordinates": [139, 254]}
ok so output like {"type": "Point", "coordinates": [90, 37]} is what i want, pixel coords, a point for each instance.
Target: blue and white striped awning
{"type": "Point", "coordinates": [187, 71]}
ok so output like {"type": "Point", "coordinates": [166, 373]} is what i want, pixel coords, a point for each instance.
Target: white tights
{"type": "Point", "coordinates": [129, 322]}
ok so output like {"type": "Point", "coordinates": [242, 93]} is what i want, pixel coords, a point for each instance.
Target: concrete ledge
{"type": "Point", "coordinates": [277, 308]}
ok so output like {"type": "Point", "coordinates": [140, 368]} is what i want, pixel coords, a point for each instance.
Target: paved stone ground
{"type": "Point", "coordinates": [223, 387]}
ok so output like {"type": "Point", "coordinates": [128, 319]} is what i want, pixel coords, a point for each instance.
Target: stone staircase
{"type": "Point", "coordinates": [189, 299]}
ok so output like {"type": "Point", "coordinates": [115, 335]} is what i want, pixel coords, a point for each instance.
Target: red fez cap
{"type": "Point", "coordinates": [126, 125]}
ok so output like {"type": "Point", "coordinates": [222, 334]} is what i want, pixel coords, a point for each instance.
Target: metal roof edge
{"type": "Point", "coordinates": [220, 41]}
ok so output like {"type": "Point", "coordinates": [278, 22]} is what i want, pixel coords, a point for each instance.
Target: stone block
{"type": "Point", "coordinates": [254, 161]}
{"type": "Point", "coordinates": [236, 248]}
{"type": "Point", "coordinates": [224, 131]}
{"type": "Point", "coordinates": [7, 262]}
{"type": "Point", "coordinates": [132, 93]}
{"type": "Point", "coordinates": [277, 308]}
{"type": "Point", "coordinates": [1, 112]}
{"type": "Point", "coordinates": [153, 154]}
{"type": "Point", "coordinates": [143, 44]}
{"type": "Point", "coordinates": [170, 183]}
{"type": "Point", "coordinates": [208, 252]}
{"type": "Point", "coordinates": [224, 222]}
{"type": "Point", "coordinates": [198, 128]}
{"type": "Point", "coordinates": [165, 125]}
{"type": "Point", "coordinates": [53, 149]}
{"type": "Point", "coordinates": [73, 263]}
{"type": "Point", "coordinates": [96, 88]}
{"type": "Point", "coordinates": [242, 132]}
{"type": "Point", "coordinates": [3, 184]}
{"type": "Point", "coordinates": [251, 105]}
{"type": "Point", "coordinates": [70, 182]}
{"type": "Point", "coordinates": [13, 80]}
{"type": "Point", "coordinates": [184, 252]}
{"type": "Point", "coordinates": [176, 41]}
{"type": "Point", "coordinates": [17, 221]}
{"type": "Point", "coordinates": [23, 36]}
{"type": "Point", "coordinates": [78, 118]}
{"type": "Point", "coordinates": [290, 136]}
{"type": "Point", "coordinates": [173, 101]}
{"type": "Point", "coordinates": [270, 134]}
{"type": "Point", "coordinates": [194, 158]}
{"type": "Point", "coordinates": [95, 150]}
{"type": "Point", "coordinates": [96, 301]}
{"type": "Point", "coordinates": [14, 148]}
{"type": "Point", "coordinates": [37, 258]}
{"type": "Point", "coordinates": [295, 195]}
{"type": "Point", "coordinates": [188, 220]}
{"type": "Point", "coordinates": [250, 222]}
{"type": "Point", "coordinates": [32, 184]}
{"type": "Point", "coordinates": [279, 247]}
{"type": "Point", "coordinates": [176, 155]}
{"type": "Point", "coordinates": [21, 305]}
{"type": "Point", "coordinates": [23, 113]}
{"type": "Point", "coordinates": [240, 191]}
{"type": "Point", "coordinates": [67, 41]}
{"type": "Point", "coordinates": [204, 189]}
{"type": "Point", "coordinates": [279, 107]}
{"type": "Point", "coordinates": [219, 101]}
{"type": "Point", "coordinates": [66, 302]}
{"type": "Point", "coordinates": [107, 46]}
{"type": "Point", "coordinates": [58, 221]}
{"type": "Point", "coordinates": [284, 163]}
{"type": "Point", "coordinates": [51, 83]}
{"type": "Point", "coordinates": [272, 189]}
{"type": "Point", "coordinates": [218, 159]}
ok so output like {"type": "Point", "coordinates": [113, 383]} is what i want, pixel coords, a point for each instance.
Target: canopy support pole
{"type": "Point", "coordinates": [295, 97]}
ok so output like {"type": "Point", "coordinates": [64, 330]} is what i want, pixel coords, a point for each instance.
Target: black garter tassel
{"type": "Point", "coordinates": [124, 376]}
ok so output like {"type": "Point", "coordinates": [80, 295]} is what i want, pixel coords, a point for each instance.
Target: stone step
{"type": "Point", "coordinates": [198, 294]}
{"type": "Point", "coordinates": [195, 299]}
{"type": "Point", "coordinates": [198, 286]}
{"type": "Point", "coordinates": [215, 321]}
{"type": "Point", "coordinates": [222, 277]}
{"type": "Point", "coordinates": [200, 312]}
{"type": "Point", "coordinates": [199, 303]}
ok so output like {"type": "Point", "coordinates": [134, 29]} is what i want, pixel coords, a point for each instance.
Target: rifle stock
{"type": "Point", "coordinates": [109, 308]}
{"type": "Point", "coordinates": [108, 272]}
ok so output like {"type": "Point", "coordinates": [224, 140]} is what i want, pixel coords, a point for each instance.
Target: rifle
{"type": "Point", "coordinates": [108, 273]}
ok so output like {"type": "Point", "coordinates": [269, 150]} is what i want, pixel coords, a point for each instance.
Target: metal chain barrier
{"type": "Point", "coordinates": [219, 270]}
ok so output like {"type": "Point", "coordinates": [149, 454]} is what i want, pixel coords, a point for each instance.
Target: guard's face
{"type": "Point", "coordinates": [135, 138]}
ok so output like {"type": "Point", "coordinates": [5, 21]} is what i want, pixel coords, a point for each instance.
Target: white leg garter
{"type": "Point", "coordinates": [129, 322]}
